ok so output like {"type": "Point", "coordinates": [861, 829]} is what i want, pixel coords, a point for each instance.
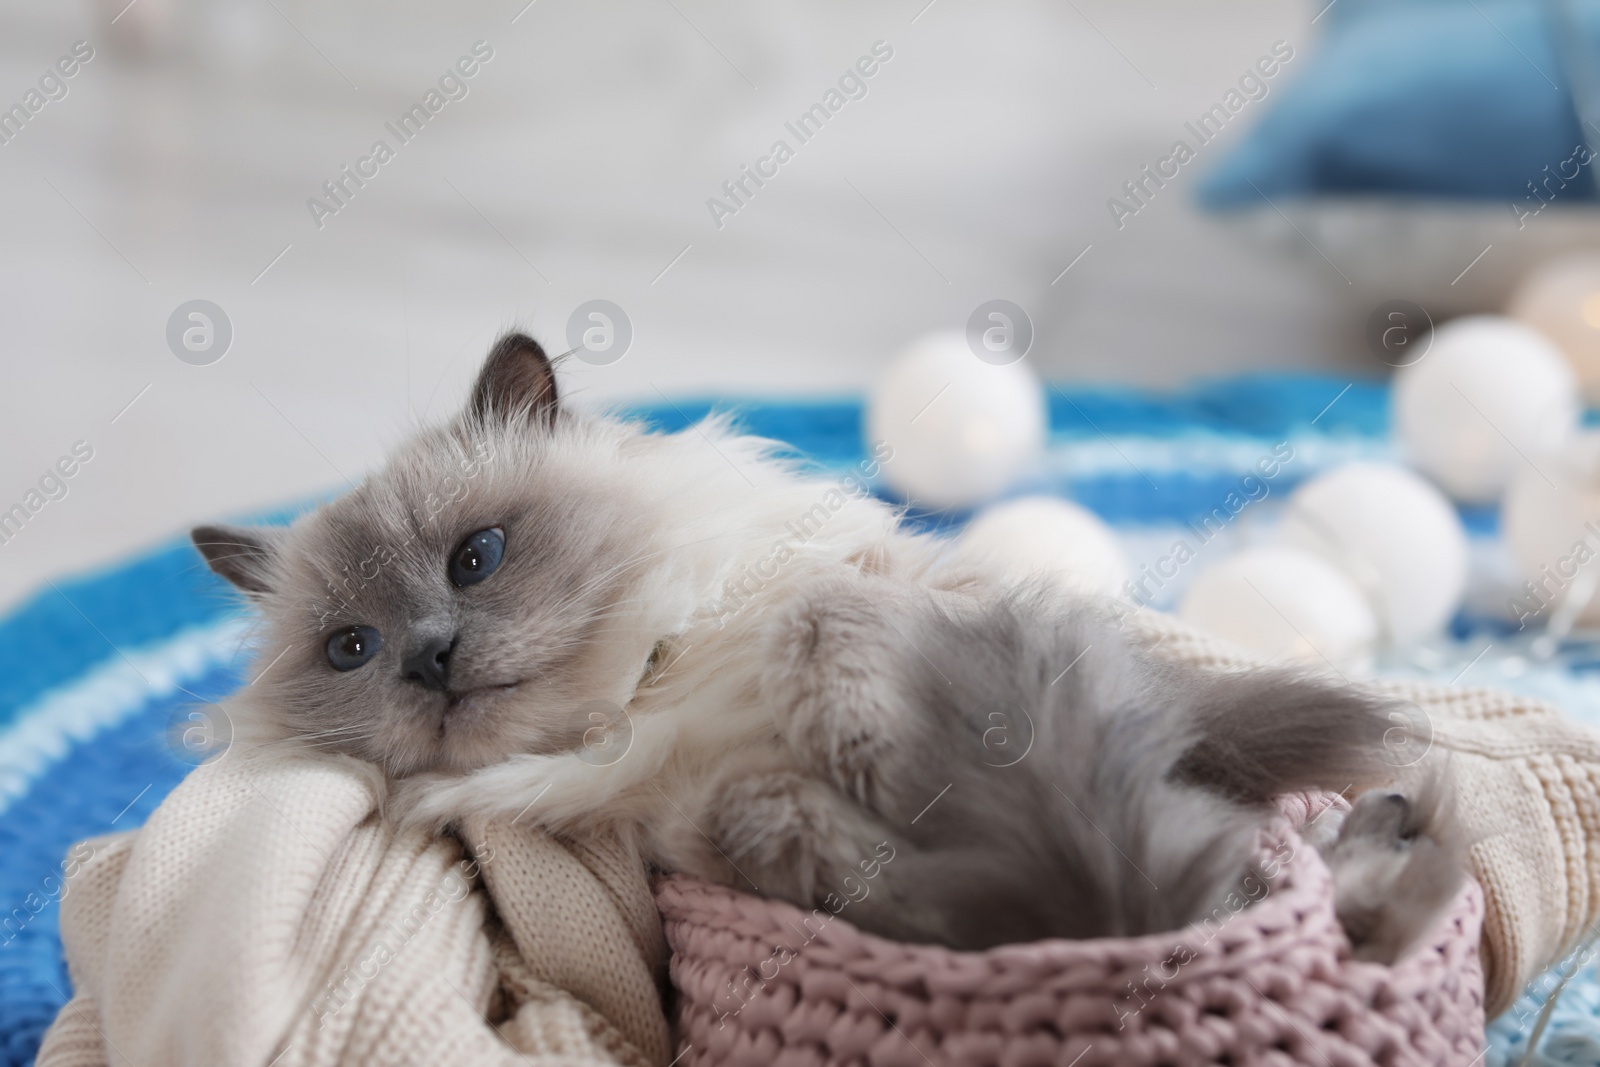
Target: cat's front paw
{"type": "Point", "coordinates": [829, 683]}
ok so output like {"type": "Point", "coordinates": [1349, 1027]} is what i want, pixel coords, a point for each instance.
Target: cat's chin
{"type": "Point", "coordinates": [480, 727]}
{"type": "Point", "coordinates": [468, 731]}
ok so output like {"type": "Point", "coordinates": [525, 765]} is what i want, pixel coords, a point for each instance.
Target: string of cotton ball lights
{"type": "Point", "coordinates": [1490, 395]}
{"type": "Point", "coordinates": [1551, 512]}
{"type": "Point", "coordinates": [1046, 537]}
{"type": "Point", "coordinates": [1551, 520]}
{"type": "Point", "coordinates": [1367, 555]}
{"type": "Point", "coordinates": [963, 430]}
{"type": "Point", "coordinates": [1489, 413]}
{"type": "Point", "coordinates": [1391, 531]}
{"type": "Point", "coordinates": [1288, 605]}
{"type": "Point", "coordinates": [1561, 299]}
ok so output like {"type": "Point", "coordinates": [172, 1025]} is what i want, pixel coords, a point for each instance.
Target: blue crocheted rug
{"type": "Point", "coordinates": [99, 675]}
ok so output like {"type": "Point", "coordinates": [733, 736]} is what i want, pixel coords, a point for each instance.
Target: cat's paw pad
{"type": "Point", "coordinates": [1397, 864]}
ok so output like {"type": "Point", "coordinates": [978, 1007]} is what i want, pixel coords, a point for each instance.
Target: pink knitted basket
{"type": "Point", "coordinates": [762, 982]}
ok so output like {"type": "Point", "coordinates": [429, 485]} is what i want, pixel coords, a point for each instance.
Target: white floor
{"type": "Point", "coordinates": [578, 166]}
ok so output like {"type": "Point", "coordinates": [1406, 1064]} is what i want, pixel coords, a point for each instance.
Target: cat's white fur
{"type": "Point", "coordinates": [719, 603]}
{"type": "Point", "coordinates": [722, 505]}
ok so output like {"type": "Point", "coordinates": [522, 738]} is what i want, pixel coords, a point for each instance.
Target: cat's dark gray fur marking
{"type": "Point", "coordinates": [850, 701]}
{"type": "Point", "coordinates": [1141, 794]}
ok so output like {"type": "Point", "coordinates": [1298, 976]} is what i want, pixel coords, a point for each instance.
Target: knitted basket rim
{"type": "Point", "coordinates": [1290, 888]}
{"type": "Point", "coordinates": [763, 981]}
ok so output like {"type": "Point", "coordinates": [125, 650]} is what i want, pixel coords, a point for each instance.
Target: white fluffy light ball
{"type": "Point", "coordinates": [1553, 530]}
{"type": "Point", "coordinates": [1288, 606]}
{"type": "Point", "coordinates": [962, 430]}
{"type": "Point", "coordinates": [1046, 536]}
{"type": "Point", "coordinates": [1561, 299]}
{"type": "Point", "coordinates": [1489, 392]}
{"type": "Point", "coordinates": [1391, 531]}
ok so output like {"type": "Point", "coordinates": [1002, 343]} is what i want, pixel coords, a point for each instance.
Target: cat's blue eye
{"type": "Point", "coordinates": [478, 556]}
{"type": "Point", "coordinates": [353, 647]}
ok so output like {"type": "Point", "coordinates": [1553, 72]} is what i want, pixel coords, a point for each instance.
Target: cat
{"type": "Point", "coordinates": [763, 679]}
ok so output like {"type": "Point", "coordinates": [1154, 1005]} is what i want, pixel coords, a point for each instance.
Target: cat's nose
{"type": "Point", "coordinates": [429, 665]}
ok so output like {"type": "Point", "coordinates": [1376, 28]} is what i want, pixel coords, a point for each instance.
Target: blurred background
{"type": "Point", "coordinates": [1342, 254]}
{"type": "Point", "coordinates": [177, 163]}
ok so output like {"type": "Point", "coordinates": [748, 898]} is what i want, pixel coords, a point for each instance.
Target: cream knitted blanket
{"type": "Point", "coordinates": [1529, 784]}
{"type": "Point", "coordinates": [265, 915]}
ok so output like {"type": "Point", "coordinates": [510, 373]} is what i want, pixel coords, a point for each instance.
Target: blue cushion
{"type": "Point", "coordinates": [1437, 98]}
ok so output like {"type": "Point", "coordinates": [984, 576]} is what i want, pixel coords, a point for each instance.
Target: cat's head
{"type": "Point", "coordinates": [466, 602]}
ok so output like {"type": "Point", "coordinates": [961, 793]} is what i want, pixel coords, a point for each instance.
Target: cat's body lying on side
{"type": "Point", "coordinates": [806, 689]}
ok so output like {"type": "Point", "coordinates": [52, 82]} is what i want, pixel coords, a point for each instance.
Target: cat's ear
{"type": "Point", "coordinates": [517, 379]}
{"type": "Point", "coordinates": [245, 555]}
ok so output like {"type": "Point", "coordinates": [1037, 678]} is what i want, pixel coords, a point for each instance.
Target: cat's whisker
{"type": "Point", "coordinates": [609, 575]}
{"type": "Point", "coordinates": [354, 728]}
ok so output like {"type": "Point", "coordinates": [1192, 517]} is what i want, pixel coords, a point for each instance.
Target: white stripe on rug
{"type": "Point", "coordinates": [1199, 454]}
{"type": "Point", "coordinates": [45, 731]}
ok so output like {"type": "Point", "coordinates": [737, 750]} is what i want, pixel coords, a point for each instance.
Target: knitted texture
{"type": "Point", "coordinates": [1529, 789]}
{"type": "Point", "coordinates": [277, 881]}
{"type": "Point", "coordinates": [763, 982]}
{"type": "Point", "coordinates": [265, 913]}
{"type": "Point", "coordinates": [1268, 982]}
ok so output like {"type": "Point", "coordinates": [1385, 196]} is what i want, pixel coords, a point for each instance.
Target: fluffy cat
{"type": "Point", "coordinates": [763, 680]}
